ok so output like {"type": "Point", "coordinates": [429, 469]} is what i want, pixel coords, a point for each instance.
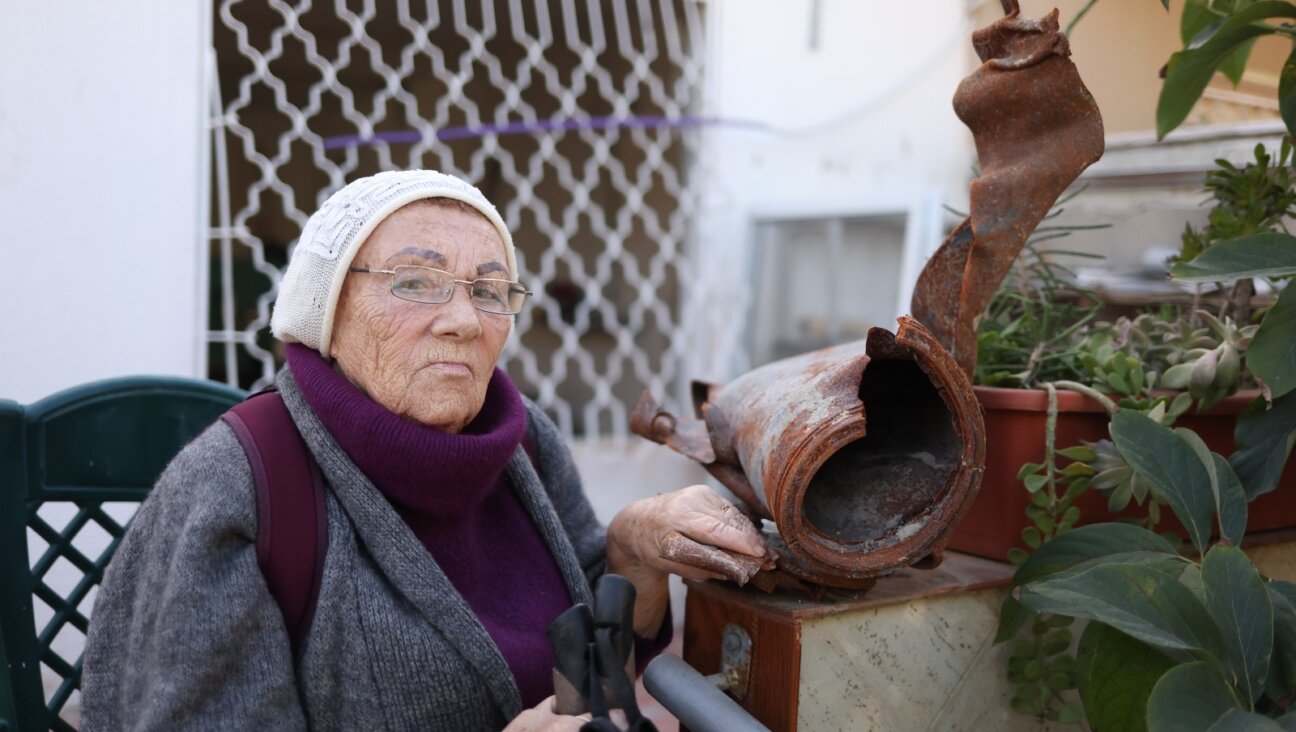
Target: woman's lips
{"type": "Point", "coordinates": [452, 368]}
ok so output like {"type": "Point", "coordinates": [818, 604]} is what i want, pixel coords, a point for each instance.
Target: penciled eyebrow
{"type": "Point", "coordinates": [439, 259]}
{"type": "Point", "coordinates": [431, 254]}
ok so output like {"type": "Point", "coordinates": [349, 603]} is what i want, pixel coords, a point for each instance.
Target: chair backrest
{"type": "Point", "coordinates": [71, 453]}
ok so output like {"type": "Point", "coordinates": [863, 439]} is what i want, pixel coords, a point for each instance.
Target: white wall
{"type": "Point", "coordinates": [102, 173]}
{"type": "Point", "coordinates": [861, 122]}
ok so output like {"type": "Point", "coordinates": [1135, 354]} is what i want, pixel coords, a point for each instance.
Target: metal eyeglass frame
{"type": "Point", "coordinates": [469, 283]}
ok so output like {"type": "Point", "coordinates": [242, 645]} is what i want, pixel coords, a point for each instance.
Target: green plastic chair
{"type": "Point", "coordinates": [103, 442]}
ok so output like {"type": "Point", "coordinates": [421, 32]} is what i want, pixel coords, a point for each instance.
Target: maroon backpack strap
{"type": "Point", "coordinates": [292, 519]}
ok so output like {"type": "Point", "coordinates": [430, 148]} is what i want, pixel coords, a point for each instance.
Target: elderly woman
{"type": "Point", "coordinates": [457, 527]}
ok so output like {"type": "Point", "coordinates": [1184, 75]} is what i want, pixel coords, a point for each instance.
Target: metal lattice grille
{"type": "Point", "coordinates": [70, 545]}
{"type": "Point", "coordinates": [578, 119]}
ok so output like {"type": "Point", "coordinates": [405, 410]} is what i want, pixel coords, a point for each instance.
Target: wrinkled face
{"type": "Point", "coordinates": [427, 363]}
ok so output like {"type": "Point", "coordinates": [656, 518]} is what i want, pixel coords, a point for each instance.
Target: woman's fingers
{"type": "Point", "coordinates": [543, 718]}
{"type": "Point", "coordinates": [686, 571]}
{"type": "Point", "coordinates": [709, 519]}
{"type": "Point", "coordinates": [692, 532]}
{"type": "Point", "coordinates": [681, 550]}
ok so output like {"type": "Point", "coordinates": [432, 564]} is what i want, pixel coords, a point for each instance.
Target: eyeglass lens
{"type": "Point", "coordinates": [422, 284]}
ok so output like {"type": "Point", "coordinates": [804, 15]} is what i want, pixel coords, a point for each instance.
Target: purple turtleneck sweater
{"type": "Point", "coordinates": [452, 491]}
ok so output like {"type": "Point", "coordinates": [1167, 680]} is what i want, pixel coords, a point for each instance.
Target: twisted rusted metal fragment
{"type": "Point", "coordinates": [865, 455]}
{"type": "Point", "coordinates": [1036, 129]}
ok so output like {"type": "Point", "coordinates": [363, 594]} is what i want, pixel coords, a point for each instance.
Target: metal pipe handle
{"type": "Point", "coordinates": [693, 699]}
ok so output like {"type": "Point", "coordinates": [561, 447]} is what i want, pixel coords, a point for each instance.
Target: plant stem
{"type": "Point", "coordinates": [1050, 432]}
{"type": "Point", "coordinates": [1090, 392]}
{"type": "Point", "coordinates": [1071, 26]}
{"type": "Point", "coordinates": [1240, 299]}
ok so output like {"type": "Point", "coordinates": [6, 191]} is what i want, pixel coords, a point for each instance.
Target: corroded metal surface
{"type": "Point", "coordinates": [864, 454]}
{"type": "Point", "coordinates": [1036, 129]}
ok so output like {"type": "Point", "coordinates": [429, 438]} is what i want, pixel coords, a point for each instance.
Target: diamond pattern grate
{"type": "Point", "coordinates": [576, 117]}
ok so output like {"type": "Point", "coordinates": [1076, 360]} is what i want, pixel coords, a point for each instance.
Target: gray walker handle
{"type": "Point", "coordinates": [694, 699]}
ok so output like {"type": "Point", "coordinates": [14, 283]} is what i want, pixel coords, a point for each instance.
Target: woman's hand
{"type": "Point", "coordinates": [542, 718]}
{"type": "Point", "coordinates": [681, 533]}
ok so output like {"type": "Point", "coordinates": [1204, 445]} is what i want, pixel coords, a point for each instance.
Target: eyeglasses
{"type": "Point", "coordinates": [424, 284]}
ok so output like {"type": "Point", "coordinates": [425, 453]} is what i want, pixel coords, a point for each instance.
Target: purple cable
{"type": "Point", "coordinates": [531, 128]}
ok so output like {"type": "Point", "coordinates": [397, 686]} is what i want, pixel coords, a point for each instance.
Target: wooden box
{"type": "Point", "coordinates": [912, 653]}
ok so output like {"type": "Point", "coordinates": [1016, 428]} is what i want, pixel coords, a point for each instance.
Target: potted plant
{"type": "Point", "coordinates": [1038, 331]}
{"type": "Point", "coordinates": [1173, 643]}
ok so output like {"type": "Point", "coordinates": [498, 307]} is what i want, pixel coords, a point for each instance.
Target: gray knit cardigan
{"type": "Point", "coordinates": [185, 635]}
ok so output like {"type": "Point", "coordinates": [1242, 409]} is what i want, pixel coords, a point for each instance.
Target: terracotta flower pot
{"type": "Point", "coordinates": [1014, 424]}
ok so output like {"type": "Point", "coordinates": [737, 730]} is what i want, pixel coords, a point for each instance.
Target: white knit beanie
{"type": "Point", "coordinates": [308, 293]}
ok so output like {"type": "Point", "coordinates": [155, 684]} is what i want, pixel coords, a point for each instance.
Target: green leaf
{"type": "Point", "coordinates": [1024, 651]}
{"type": "Point", "coordinates": [1035, 482]}
{"type": "Point", "coordinates": [1136, 378]}
{"type": "Point", "coordinates": [1194, 20]}
{"type": "Point", "coordinates": [1013, 616]}
{"type": "Point", "coordinates": [1115, 674]}
{"type": "Point", "coordinates": [1189, 696]}
{"type": "Point", "coordinates": [1231, 506]}
{"type": "Point", "coordinates": [1031, 537]}
{"type": "Point", "coordinates": [1111, 477]}
{"type": "Point", "coordinates": [1271, 254]}
{"type": "Point", "coordinates": [1148, 604]}
{"type": "Point", "coordinates": [1071, 712]}
{"type": "Point", "coordinates": [1235, 64]}
{"type": "Point", "coordinates": [1076, 488]}
{"type": "Point", "coordinates": [1055, 642]}
{"type": "Point", "coordinates": [1239, 602]}
{"type": "Point", "coordinates": [1033, 670]}
{"type": "Point", "coordinates": [1045, 524]}
{"type": "Point", "coordinates": [1230, 499]}
{"type": "Point", "coordinates": [1079, 453]}
{"type": "Point", "coordinates": [1028, 706]}
{"type": "Point", "coordinates": [1272, 353]}
{"type": "Point", "coordinates": [1028, 469]}
{"type": "Point", "coordinates": [1118, 383]}
{"type": "Point", "coordinates": [1168, 463]}
{"type": "Point", "coordinates": [1282, 672]}
{"type": "Point", "coordinates": [1017, 556]}
{"type": "Point", "coordinates": [1095, 541]}
{"type": "Point", "coordinates": [1069, 517]}
{"type": "Point", "coordinates": [1287, 92]}
{"type": "Point", "coordinates": [1264, 437]}
{"type": "Point", "coordinates": [1058, 621]}
{"type": "Point", "coordinates": [1075, 469]}
{"type": "Point", "coordinates": [1237, 720]}
{"type": "Point", "coordinates": [1190, 70]}
{"type": "Point", "coordinates": [1190, 577]}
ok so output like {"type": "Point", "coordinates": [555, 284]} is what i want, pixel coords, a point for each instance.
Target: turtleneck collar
{"type": "Point", "coordinates": [419, 468]}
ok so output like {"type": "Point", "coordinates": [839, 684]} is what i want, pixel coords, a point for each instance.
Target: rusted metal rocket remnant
{"type": "Point", "coordinates": [1036, 129]}
{"type": "Point", "coordinates": [866, 455]}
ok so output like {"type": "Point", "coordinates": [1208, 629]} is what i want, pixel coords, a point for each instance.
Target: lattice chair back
{"type": "Point", "coordinates": [71, 467]}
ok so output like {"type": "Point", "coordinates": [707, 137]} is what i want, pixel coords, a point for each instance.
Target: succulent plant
{"type": "Point", "coordinates": [1133, 357]}
{"type": "Point", "coordinates": [1210, 366]}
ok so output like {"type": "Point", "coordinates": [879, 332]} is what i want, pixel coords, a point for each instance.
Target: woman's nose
{"type": "Point", "coordinates": [457, 318]}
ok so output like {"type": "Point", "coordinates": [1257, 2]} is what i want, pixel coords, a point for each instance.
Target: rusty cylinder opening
{"type": "Point", "coordinates": [879, 485]}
